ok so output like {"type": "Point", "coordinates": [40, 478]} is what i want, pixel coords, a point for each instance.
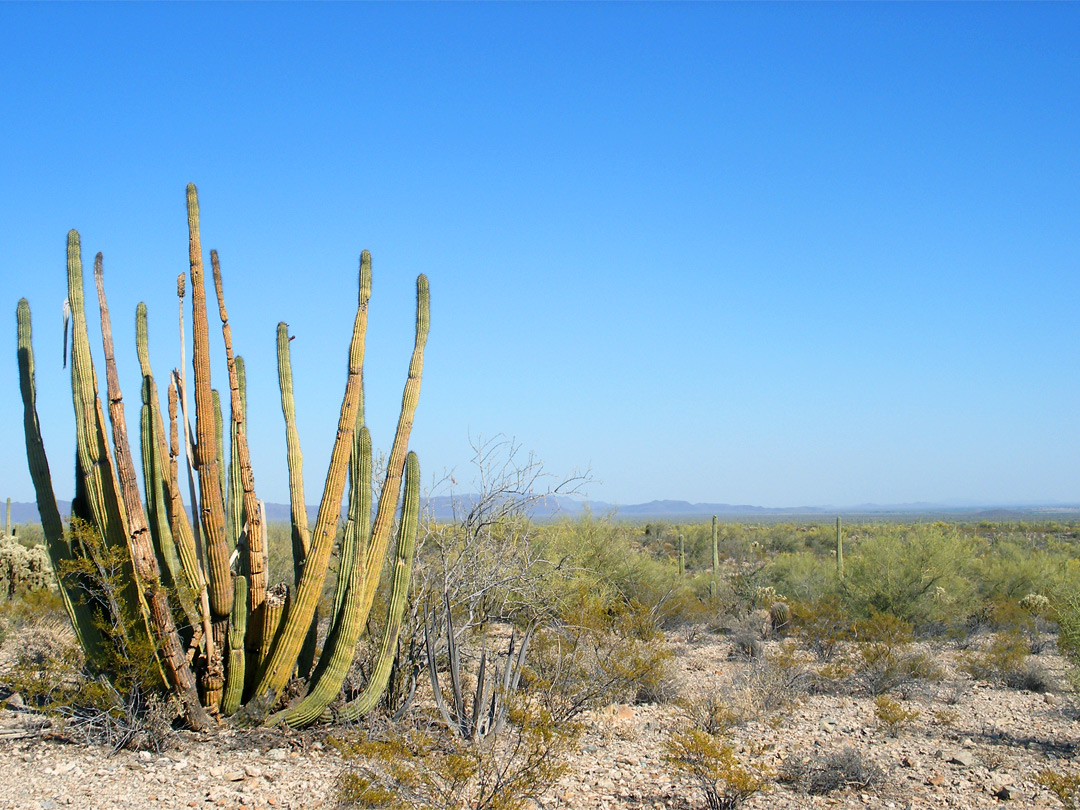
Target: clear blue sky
{"type": "Point", "coordinates": [772, 254]}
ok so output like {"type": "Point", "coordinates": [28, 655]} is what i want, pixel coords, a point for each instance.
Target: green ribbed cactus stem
{"type": "Point", "coordinates": [287, 649]}
{"type": "Point", "coordinates": [301, 538]}
{"type": "Point", "coordinates": [779, 615]}
{"type": "Point", "coordinates": [839, 549]}
{"type": "Point", "coordinates": [56, 541]}
{"type": "Point", "coordinates": [399, 592]}
{"type": "Point", "coordinates": [235, 670]}
{"type": "Point", "coordinates": [346, 624]}
{"type": "Point", "coordinates": [682, 557]}
{"type": "Point", "coordinates": [395, 468]}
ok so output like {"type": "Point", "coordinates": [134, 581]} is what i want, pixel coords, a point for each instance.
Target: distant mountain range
{"type": "Point", "coordinates": [442, 508]}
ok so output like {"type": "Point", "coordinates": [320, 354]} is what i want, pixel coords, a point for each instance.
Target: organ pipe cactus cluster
{"type": "Point", "coordinates": [226, 642]}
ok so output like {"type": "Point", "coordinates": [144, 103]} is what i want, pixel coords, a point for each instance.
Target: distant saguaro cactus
{"type": "Point", "coordinates": [839, 549]}
{"type": "Point", "coordinates": [223, 646]}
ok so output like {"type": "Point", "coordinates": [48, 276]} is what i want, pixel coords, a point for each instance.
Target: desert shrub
{"type": "Point", "coordinates": [575, 668]}
{"type": "Point", "coordinates": [833, 771]}
{"type": "Point", "coordinates": [913, 573]}
{"type": "Point", "coordinates": [892, 716]}
{"type": "Point", "coordinates": [428, 768]}
{"type": "Point", "coordinates": [803, 575]}
{"type": "Point", "coordinates": [710, 713]}
{"type": "Point", "coordinates": [1006, 661]}
{"type": "Point", "coordinates": [1065, 786]}
{"type": "Point", "coordinates": [884, 660]}
{"type": "Point", "coordinates": [713, 768]}
{"type": "Point", "coordinates": [125, 708]}
{"type": "Point", "coordinates": [823, 625]}
{"type": "Point", "coordinates": [1009, 570]}
{"type": "Point", "coordinates": [771, 683]}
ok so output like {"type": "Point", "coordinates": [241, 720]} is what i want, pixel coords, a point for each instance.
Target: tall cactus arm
{"type": "Point", "coordinates": [219, 446]}
{"type": "Point", "coordinates": [301, 537]}
{"type": "Point", "coordinates": [82, 620]}
{"type": "Point", "coordinates": [182, 529]}
{"type": "Point", "coordinates": [100, 487]}
{"type": "Point", "coordinates": [256, 552]}
{"type": "Point", "coordinates": [234, 674]}
{"type": "Point", "coordinates": [211, 505]}
{"type": "Point", "coordinates": [388, 498]}
{"type": "Point", "coordinates": [346, 627]}
{"type": "Point", "coordinates": [157, 481]}
{"type": "Point", "coordinates": [143, 555]}
{"type": "Point", "coordinates": [399, 592]}
{"type": "Point", "coordinates": [291, 636]}
{"type": "Point", "coordinates": [234, 495]}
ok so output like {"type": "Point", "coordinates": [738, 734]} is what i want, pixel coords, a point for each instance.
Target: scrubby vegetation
{"type": "Point", "coordinates": [517, 630]}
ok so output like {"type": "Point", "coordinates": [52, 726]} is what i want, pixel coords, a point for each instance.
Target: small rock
{"type": "Point", "coordinates": [14, 701]}
{"type": "Point", "coordinates": [252, 771]}
{"type": "Point", "coordinates": [909, 762]}
{"type": "Point", "coordinates": [963, 758]}
{"type": "Point", "coordinates": [1005, 792]}
{"type": "Point", "coordinates": [234, 776]}
{"type": "Point", "coordinates": [276, 754]}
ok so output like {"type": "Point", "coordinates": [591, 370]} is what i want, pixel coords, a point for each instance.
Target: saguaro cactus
{"type": "Point", "coordinates": [839, 549]}
{"type": "Point", "coordinates": [220, 611]}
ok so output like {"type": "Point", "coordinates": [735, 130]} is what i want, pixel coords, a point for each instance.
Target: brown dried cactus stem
{"type": "Point", "coordinates": [212, 506]}
{"type": "Point", "coordinates": [256, 551]}
{"type": "Point", "coordinates": [143, 555]}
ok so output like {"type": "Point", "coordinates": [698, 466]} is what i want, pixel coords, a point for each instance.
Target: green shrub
{"type": "Point", "coordinates": [714, 769]}
{"type": "Point", "coordinates": [914, 573]}
{"type": "Point", "coordinates": [421, 768]}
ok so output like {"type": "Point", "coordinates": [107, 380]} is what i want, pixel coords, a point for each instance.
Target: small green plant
{"type": "Point", "coordinates": [1066, 786]}
{"type": "Point", "coordinates": [945, 717]}
{"type": "Point", "coordinates": [824, 625]}
{"type": "Point", "coordinates": [892, 716]}
{"type": "Point", "coordinates": [429, 768]}
{"type": "Point", "coordinates": [714, 769]}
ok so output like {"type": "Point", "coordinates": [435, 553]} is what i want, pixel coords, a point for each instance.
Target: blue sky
{"type": "Point", "coordinates": [771, 254]}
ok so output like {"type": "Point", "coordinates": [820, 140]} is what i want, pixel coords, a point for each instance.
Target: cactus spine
{"type": "Point", "coordinates": [839, 549]}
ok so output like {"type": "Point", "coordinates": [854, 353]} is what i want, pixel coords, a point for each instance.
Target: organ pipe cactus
{"type": "Point", "coordinates": [228, 643]}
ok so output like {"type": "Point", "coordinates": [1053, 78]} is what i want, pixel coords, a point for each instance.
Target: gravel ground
{"type": "Point", "coordinates": [972, 746]}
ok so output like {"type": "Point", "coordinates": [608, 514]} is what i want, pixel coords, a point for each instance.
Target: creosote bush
{"type": "Point", "coordinates": [712, 767]}
{"type": "Point", "coordinates": [426, 767]}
